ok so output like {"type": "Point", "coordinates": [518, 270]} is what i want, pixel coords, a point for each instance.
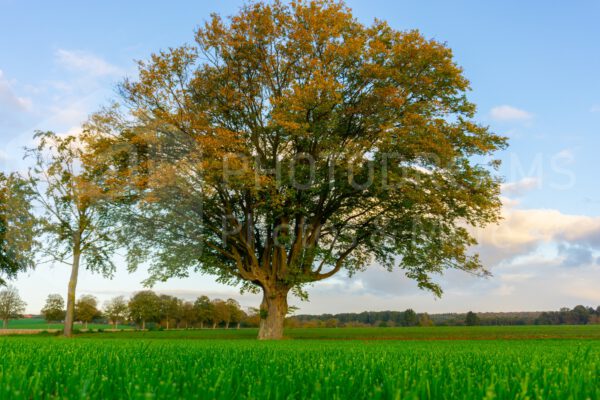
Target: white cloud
{"type": "Point", "coordinates": [566, 155]}
{"type": "Point", "coordinates": [8, 99]}
{"type": "Point", "coordinates": [522, 231]}
{"type": "Point", "coordinates": [504, 290]}
{"type": "Point", "coordinates": [87, 63]}
{"type": "Point", "coordinates": [522, 186]}
{"type": "Point", "coordinates": [4, 157]}
{"type": "Point", "coordinates": [595, 108]}
{"type": "Point", "coordinates": [59, 105]}
{"type": "Point", "coordinates": [70, 114]}
{"type": "Point", "coordinates": [509, 113]}
{"type": "Point", "coordinates": [16, 114]}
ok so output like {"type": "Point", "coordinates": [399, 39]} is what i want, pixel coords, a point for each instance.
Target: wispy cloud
{"type": "Point", "coordinates": [522, 186]}
{"type": "Point", "coordinates": [58, 105]}
{"type": "Point", "coordinates": [595, 108]}
{"type": "Point", "coordinates": [4, 157]}
{"type": "Point", "coordinates": [8, 99]}
{"type": "Point", "coordinates": [509, 113]}
{"type": "Point", "coordinates": [85, 62]}
{"type": "Point", "coordinates": [15, 112]}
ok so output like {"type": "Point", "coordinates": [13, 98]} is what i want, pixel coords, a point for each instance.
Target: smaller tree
{"type": "Point", "coordinates": [580, 314]}
{"type": "Point", "coordinates": [332, 323]}
{"type": "Point", "coordinates": [169, 308]}
{"type": "Point", "coordinates": [74, 207]}
{"type": "Point", "coordinates": [116, 310]}
{"type": "Point", "coordinates": [86, 309]}
{"type": "Point", "coordinates": [291, 322]}
{"type": "Point", "coordinates": [54, 309]}
{"type": "Point", "coordinates": [410, 318]}
{"type": "Point", "coordinates": [252, 317]}
{"type": "Point", "coordinates": [425, 320]}
{"type": "Point", "coordinates": [11, 305]}
{"type": "Point", "coordinates": [188, 314]}
{"type": "Point", "coordinates": [220, 313]}
{"type": "Point", "coordinates": [471, 319]}
{"type": "Point", "coordinates": [144, 307]}
{"type": "Point", "coordinates": [234, 313]}
{"type": "Point", "coordinates": [204, 310]}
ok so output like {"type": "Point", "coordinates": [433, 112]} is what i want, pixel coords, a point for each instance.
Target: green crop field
{"type": "Point", "coordinates": [558, 362]}
{"type": "Point", "coordinates": [413, 333]}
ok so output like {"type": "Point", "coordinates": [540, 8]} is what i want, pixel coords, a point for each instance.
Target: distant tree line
{"type": "Point", "coordinates": [146, 309]}
{"type": "Point", "coordinates": [365, 318]}
{"type": "Point", "coordinates": [577, 316]}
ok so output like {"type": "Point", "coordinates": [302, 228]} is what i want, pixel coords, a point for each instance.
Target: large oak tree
{"type": "Point", "coordinates": [291, 142]}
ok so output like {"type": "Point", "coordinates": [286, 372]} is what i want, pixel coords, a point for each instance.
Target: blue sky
{"type": "Point", "coordinates": [534, 73]}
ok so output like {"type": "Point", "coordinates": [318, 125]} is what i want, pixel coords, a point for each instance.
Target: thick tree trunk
{"type": "Point", "coordinates": [201, 324]}
{"type": "Point", "coordinates": [214, 325]}
{"type": "Point", "coordinates": [238, 325]}
{"type": "Point", "coordinates": [227, 325]}
{"type": "Point", "coordinates": [4, 323]}
{"type": "Point", "coordinates": [70, 314]}
{"type": "Point", "coordinates": [273, 310]}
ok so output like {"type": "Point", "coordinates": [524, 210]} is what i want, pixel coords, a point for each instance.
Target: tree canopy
{"type": "Point", "coordinates": [11, 305]}
{"type": "Point", "coordinates": [86, 309]}
{"type": "Point", "coordinates": [145, 306]}
{"type": "Point", "coordinates": [72, 201]}
{"type": "Point", "coordinates": [204, 310]}
{"type": "Point", "coordinates": [54, 309]}
{"type": "Point", "coordinates": [116, 310]}
{"type": "Point", "coordinates": [17, 226]}
{"type": "Point", "coordinates": [471, 319]}
{"type": "Point", "coordinates": [291, 142]}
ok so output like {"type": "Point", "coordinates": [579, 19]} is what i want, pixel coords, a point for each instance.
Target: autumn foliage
{"type": "Point", "coordinates": [291, 142]}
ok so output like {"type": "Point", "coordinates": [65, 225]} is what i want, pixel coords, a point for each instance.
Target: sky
{"type": "Point", "coordinates": [533, 68]}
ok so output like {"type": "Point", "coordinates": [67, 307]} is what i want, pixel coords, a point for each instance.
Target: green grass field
{"type": "Point", "coordinates": [553, 362]}
{"type": "Point", "coordinates": [416, 333]}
